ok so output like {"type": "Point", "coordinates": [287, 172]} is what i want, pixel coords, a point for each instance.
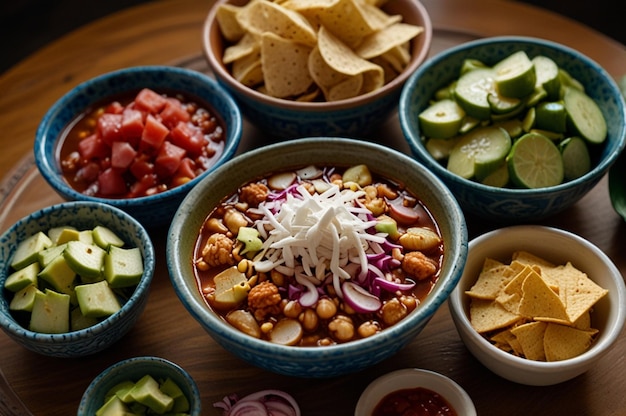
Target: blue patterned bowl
{"type": "Point", "coordinates": [82, 215]}
{"type": "Point", "coordinates": [507, 204]}
{"type": "Point", "coordinates": [334, 360]}
{"type": "Point", "coordinates": [284, 119]}
{"type": "Point", "coordinates": [133, 369]}
{"type": "Point", "coordinates": [155, 210]}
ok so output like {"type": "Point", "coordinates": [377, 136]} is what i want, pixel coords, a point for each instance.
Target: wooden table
{"type": "Point", "coordinates": [168, 32]}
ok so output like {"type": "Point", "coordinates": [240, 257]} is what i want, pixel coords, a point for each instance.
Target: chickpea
{"type": "Point", "coordinates": [393, 311]}
{"type": "Point", "coordinates": [386, 192]}
{"type": "Point", "coordinates": [377, 206]}
{"type": "Point", "coordinates": [367, 329]}
{"type": "Point", "coordinates": [370, 192]}
{"type": "Point", "coordinates": [215, 225]}
{"type": "Point", "coordinates": [409, 301]}
{"type": "Point", "coordinates": [292, 309]}
{"type": "Point", "coordinates": [277, 278]}
{"type": "Point", "coordinates": [324, 342]}
{"type": "Point", "coordinates": [309, 320]}
{"type": "Point", "coordinates": [234, 220]}
{"type": "Point", "coordinates": [341, 328]}
{"type": "Point", "coordinates": [326, 308]}
{"type": "Point", "coordinates": [242, 266]}
{"type": "Point", "coordinates": [266, 327]}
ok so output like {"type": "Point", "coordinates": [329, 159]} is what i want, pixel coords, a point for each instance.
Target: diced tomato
{"type": "Point", "coordinates": [132, 125]}
{"type": "Point", "coordinates": [141, 167]}
{"type": "Point", "coordinates": [109, 127]}
{"type": "Point", "coordinates": [111, 182]}
{"type": "Point", "coordinates": [122, 155]}
{"type": "Point", "coordinates": [188, 137]}
{"type": "Point", "coordinates": [92, 147]}
{"type": "Point", "coordinates": [154, 133]}
{"type": "Point", "coordinates": [149, 100]}
{"type": "Point", "coordinates": [88, 173]}
{"type": "Point", "coordinates": [168, 159]}
{"type": "Point", "coordinates": [173, 113]}
{"type": "Point", "coordinates": [187, 168]}
{"type": "Point", "coordinates": [142, 185]}
{"type": "Point", "coordinates": [114, 108]}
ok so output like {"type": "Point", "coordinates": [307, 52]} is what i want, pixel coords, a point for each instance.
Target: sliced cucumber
{"type": "Point", "coordinates": [576, 159]}
{"type": "Point", "coordinates": [480, 151]}
{"type": "Point", "coordinates": [515, 75]}
{"type": "Point", "coordinates": [551, 116]}
{"type": "Point", "coordinates": [547, 74]}
{"type": "Point", "coordinates": [86, 260]}
{"type": "Point", "coordinates": [584, 115]}
{"type": "Point", "coordinates": [442, 120]}
{"type": "Point", "coordinates": [472, 90]}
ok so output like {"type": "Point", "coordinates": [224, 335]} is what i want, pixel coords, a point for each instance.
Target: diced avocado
{"type": "Point", "coordinates": [231, 288]}
{"type": "Point", "coordinates": [79, 321]}
{"type": "Point", "coordinates": [181, 403]}
{"type": "Point", "coordinates": [105, 237]}
{"type": "Point", "coordinates": [147, 392]}
{"type": "Point", "coordinates": [22, 278]}
{"type": "Point", "coordinates": [85, 259]}
{"type": "Point", "coordinates": [51, 312]}
{"type": "Point", "coordinates": [97, 299]}
{"type": "Point", "coordinates": [55, 232]}
{"type": "Point", "coordinates": [59, 275]}
{"type": "Point", "coordinates": [120, 389]}
{"type": "Point", "coordinates": [250, 238]}
{"type": "Point", "coordinates": [123, 267]}
{"type": "Point", "coordinates": [386, 224]}
{"type": "Point", "coordinates": [46, 255]}
{"type": "Point", "coordinates": [26, 252]}
{"type": "Point", "coordinates": [114, 407]}
{"type": "Point", "coordinates": [86, 236]}
{"type": "Point", "coordinates": [24, 299]}
{"type": "Point", "coordinates": [67, 234]}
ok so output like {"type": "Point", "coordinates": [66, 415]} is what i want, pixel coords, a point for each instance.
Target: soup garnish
{"type": "Point", "coordinates": [318, 256]}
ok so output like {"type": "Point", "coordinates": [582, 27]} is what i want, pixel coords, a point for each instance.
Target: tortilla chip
{"type": "Point", "coordinates": [387, 39]}
{"type": "Point", "coordinates": [487, 316]}
{"type": "Point", "coordinates": [285, 66]}
{"type": "Point", "coordinates": [580, 292]}
{"type": "Point", "coordinates": [226, 16]}
{"type": "Point", "coordinates": [539, 301]}
{"type": "Point", "coordinates": [322, 73]}
{"type": "Point", "coordinates": [349, 21]}
{"type": "Point", "coordinates": [530, 337]}
{"type": "Point", "coordinates": [249, 70]}
{"type": "Point", "coordinates": [491, 281]}
{"type": "Point", "coordinates": [563, 342]}
{"type": "Point", "coordinates": [511, 295]}
{"type": "Point", "coordinates": [246, 46]}
{"type": "Point", "coordinates": [349, 88]}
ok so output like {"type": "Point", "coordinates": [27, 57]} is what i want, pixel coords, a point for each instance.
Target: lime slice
{"type": "Point", "coordinates": [445, 92]}
{"type": "Point", "coordinates": [547, 74]}
{"type": "Point", "coordinates": [469, 123]}
{"type": "Point", "coordinates": [472, 64]}
{"type": "Point", "coordinates": [529, 120]}
{"type": "Point", "coordinates": [535, 162]}
{"type": "Point", "coordinates": [512, 126]}
{"type": "Point", "coordinates": [480, 152]}
{"type": "Point", "coordinates": [585, 115]}
{"type": "Point", "coordinates": [440, 148]}
{"type": "Point", "coordinates": [576, 159]}
{"type": "Point", "coordinates": [499, 178]}
{"type": "Point", "coordinates": [500, 104]}
{"type": "Point", "coordinates": [515, 75]}
{"type": "Point", "coordinates": [442, 119]}
{"type": "Point", "coordinates": [539, 94]}
{"type": "Point", "coordinates": [472, 90]}
{"type": "Point", "coordinates": [551, 116]}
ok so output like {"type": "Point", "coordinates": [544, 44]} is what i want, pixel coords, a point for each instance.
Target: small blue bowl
{"type": "Point", "coordinates": [133, 369]}
{"type": "Point", "coordinates": [508, 204]}
{"type": "Point", "coordinates": [82, 215]}
{"type": "Point", "coordinates": [286, 119]}
{"type": "Point", "coordinates": [155, 210]}
{"type": "Point", "coordinates": [335, 360]}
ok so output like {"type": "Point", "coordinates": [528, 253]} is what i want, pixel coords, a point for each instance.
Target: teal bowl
{"type": "Point", "coordinates": [509, 205]}
{"type": "Point", "coordinates": [335, 360]}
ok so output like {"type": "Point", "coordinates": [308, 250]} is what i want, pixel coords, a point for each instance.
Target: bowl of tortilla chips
{"type": "Point", "coordinates": [316, 67]}
{"type": "Point", "coordinates": [538, 305]}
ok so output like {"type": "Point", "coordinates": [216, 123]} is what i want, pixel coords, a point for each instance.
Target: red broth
{"type": "Point", "coordinates": [296, 295]}
{"type": "Point", "coordinates": [139, 144]}
{"type": "Point", "coordinates": [417, 401]}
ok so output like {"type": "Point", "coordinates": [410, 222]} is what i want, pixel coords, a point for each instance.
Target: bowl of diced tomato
{"type": "Point", "coordinates": [138, 138]}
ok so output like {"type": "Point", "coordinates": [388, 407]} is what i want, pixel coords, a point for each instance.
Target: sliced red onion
{"type": "Point", "coordinates": [393, 286]}
{"type": "Point", "coordinates": [263, 403]}
{"type": "Point", "coordinates": [310, 294]}
{"type": "Point", "coordinates": [360, 299]}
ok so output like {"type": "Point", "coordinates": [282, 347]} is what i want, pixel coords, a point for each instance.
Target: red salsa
{"type": "Point", "coordinates": [318, 256]}
{"type": "Point", "coordinates": [139, 144]}
{"type": "Point", "coordinates": [417, 401]}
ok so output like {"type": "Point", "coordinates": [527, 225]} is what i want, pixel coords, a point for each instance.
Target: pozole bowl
{"type": "Point", "coordinates": [132, 370]}
{"type": "Point", "coordinates": [104, 331]}
{"type": "Point", "coordinates": [158, 191]}
{"type": "Point", "coordinates": [510, 204]}
{"type": "Point", "coordinates": [284, 118]}
{"type": "Point", "coordinates": [314, 360]}
{"type": "Point", "coordinates": [558, 247]}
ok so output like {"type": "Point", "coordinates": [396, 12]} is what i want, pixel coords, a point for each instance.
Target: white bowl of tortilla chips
{"type": "Point", "coordinates": [538, 305]}
{"type": "Point", "coordinates": [304, 68]}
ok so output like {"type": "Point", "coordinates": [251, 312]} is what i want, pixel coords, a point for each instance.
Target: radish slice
{"type": "Point", "coordinates": [360, 299]}
{"type": "Point", "coordinates": [402, 214]}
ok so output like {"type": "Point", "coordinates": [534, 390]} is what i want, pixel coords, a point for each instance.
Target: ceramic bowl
{"type": "Point", "coordinates": [557, 246]}
{"type": "Point", "coordinates": [314, 361]}
{"type": "Point", "coordinates": [509, 205]}
{"type": "Point", "coordinates": [133, 369]}
{"type": "Point", "coordinates": [157, 209]}
{"type": "Point", "coordinates": [283, 119]}
{"type": "Point", "coordinates": [412, 378]}
{"type": "Point", "coordinates": [82, 215]}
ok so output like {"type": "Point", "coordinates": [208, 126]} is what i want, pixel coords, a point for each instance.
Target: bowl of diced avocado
{"type": "Point", "coordinates": [75, 278]}
{"type": "Point", "coordinates": [142, 386]}
{"type": "Point", "coordinates": [518, 128]}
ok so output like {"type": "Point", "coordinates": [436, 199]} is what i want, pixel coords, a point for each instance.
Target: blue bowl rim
{"type": "Point", "coordinates": [409, 133]}
{"type": "Point", "coordinates": [202, 313]}
{"type": "Point", "coordinates": [9, 324]}
{"type": "Point", "coordinates": [50, 171]}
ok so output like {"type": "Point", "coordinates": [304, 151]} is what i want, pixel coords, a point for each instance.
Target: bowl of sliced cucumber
{"type": "Point", "coordinates": [75, 278]}
{"type": "Point", "coordinates": [518, 128]}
